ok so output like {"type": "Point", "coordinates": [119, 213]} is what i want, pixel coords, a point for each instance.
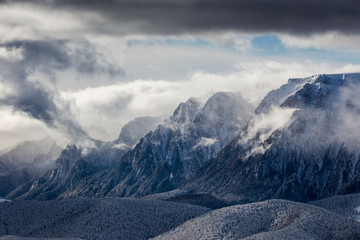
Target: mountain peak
{"type": "Point", "coordinates": [300, 92]}
{"type": "Point", "coordinates": [134, 130]}
{"type": "Point", "coordinates": [186, 111]}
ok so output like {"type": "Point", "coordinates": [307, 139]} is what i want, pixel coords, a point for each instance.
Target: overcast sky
{"type": "Point", "coordinates": [79, 68]}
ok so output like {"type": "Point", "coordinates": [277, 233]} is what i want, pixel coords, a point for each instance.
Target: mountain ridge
{"type": "Point", "coordinates": [300, 161]}
{"type": "Point", "coordinates": [170, 154]}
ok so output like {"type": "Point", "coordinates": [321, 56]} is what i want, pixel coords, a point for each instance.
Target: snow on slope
{"type": "Point", "coordinates": [273, 219]}
{"type": "Point", "coordinates": [107, 218]}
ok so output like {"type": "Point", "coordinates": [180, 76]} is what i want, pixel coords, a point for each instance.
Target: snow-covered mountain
{"type": "Point", "coordinates": [312, 152]}
{"type": "Point", "coordinates": [25, 161]}
{"type": "Point", "coordinates": [168, 156]}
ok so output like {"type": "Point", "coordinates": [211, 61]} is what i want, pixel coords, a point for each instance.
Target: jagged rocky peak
{"type": "Point", "coordinates": [70, 154]}
{"type": "Point", "coordinates": [198, 130]}
{"type": "Point", "coordinates": [228, 106]}
{"type": "Point", "coordinates": [186, 111]}
{"type": "Point", "coordinates": [134, 130]}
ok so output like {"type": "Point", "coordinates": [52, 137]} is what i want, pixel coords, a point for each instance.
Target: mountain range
{"type": "Point", "coordinates": [301, 143]}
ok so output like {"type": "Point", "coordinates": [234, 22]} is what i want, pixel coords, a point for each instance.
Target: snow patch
{"type": "Point", "coordinates": [121, 146]}
{"type": "Point", "coordinates": [205, 142]}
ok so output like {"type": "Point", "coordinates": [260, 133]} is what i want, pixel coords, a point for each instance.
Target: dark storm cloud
{"type": "Point", "coordinates": [52, 55]}
{"type": "Point", "coordinates": [176, 16]}
{"type": "Point", "coordinates": [34, 98]}
{"type": "Point", "coordinates": [37, 101]}
{"type": "Point", "coordinates": [26, 96]}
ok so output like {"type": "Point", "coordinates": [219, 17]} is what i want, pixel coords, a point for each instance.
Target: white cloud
{"type": "Point", "coordinates": [269, 122]}
{"type": "Point", "coordinates": [15, 126]}
{"type": "Point", "coordinates": [27, 22]}
{"type": "Point", "coordinates": [347, 126]}
{"type": "Point", "coordinates": [206, 142]}
{"type": "Point", "coordinates": [10, 54]}
{"type": "Point", "coordinates": [103, 110]}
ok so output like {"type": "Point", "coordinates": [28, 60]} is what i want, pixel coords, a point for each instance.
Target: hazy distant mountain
{"type": "Point", "coordinates": [313, 154]}
{"type": "Point", "coordinates": [25, 161]}
{"type": "Point", "coordinates": [134, 130]}
{"type": "Point", "coordinates": [31, 152]}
